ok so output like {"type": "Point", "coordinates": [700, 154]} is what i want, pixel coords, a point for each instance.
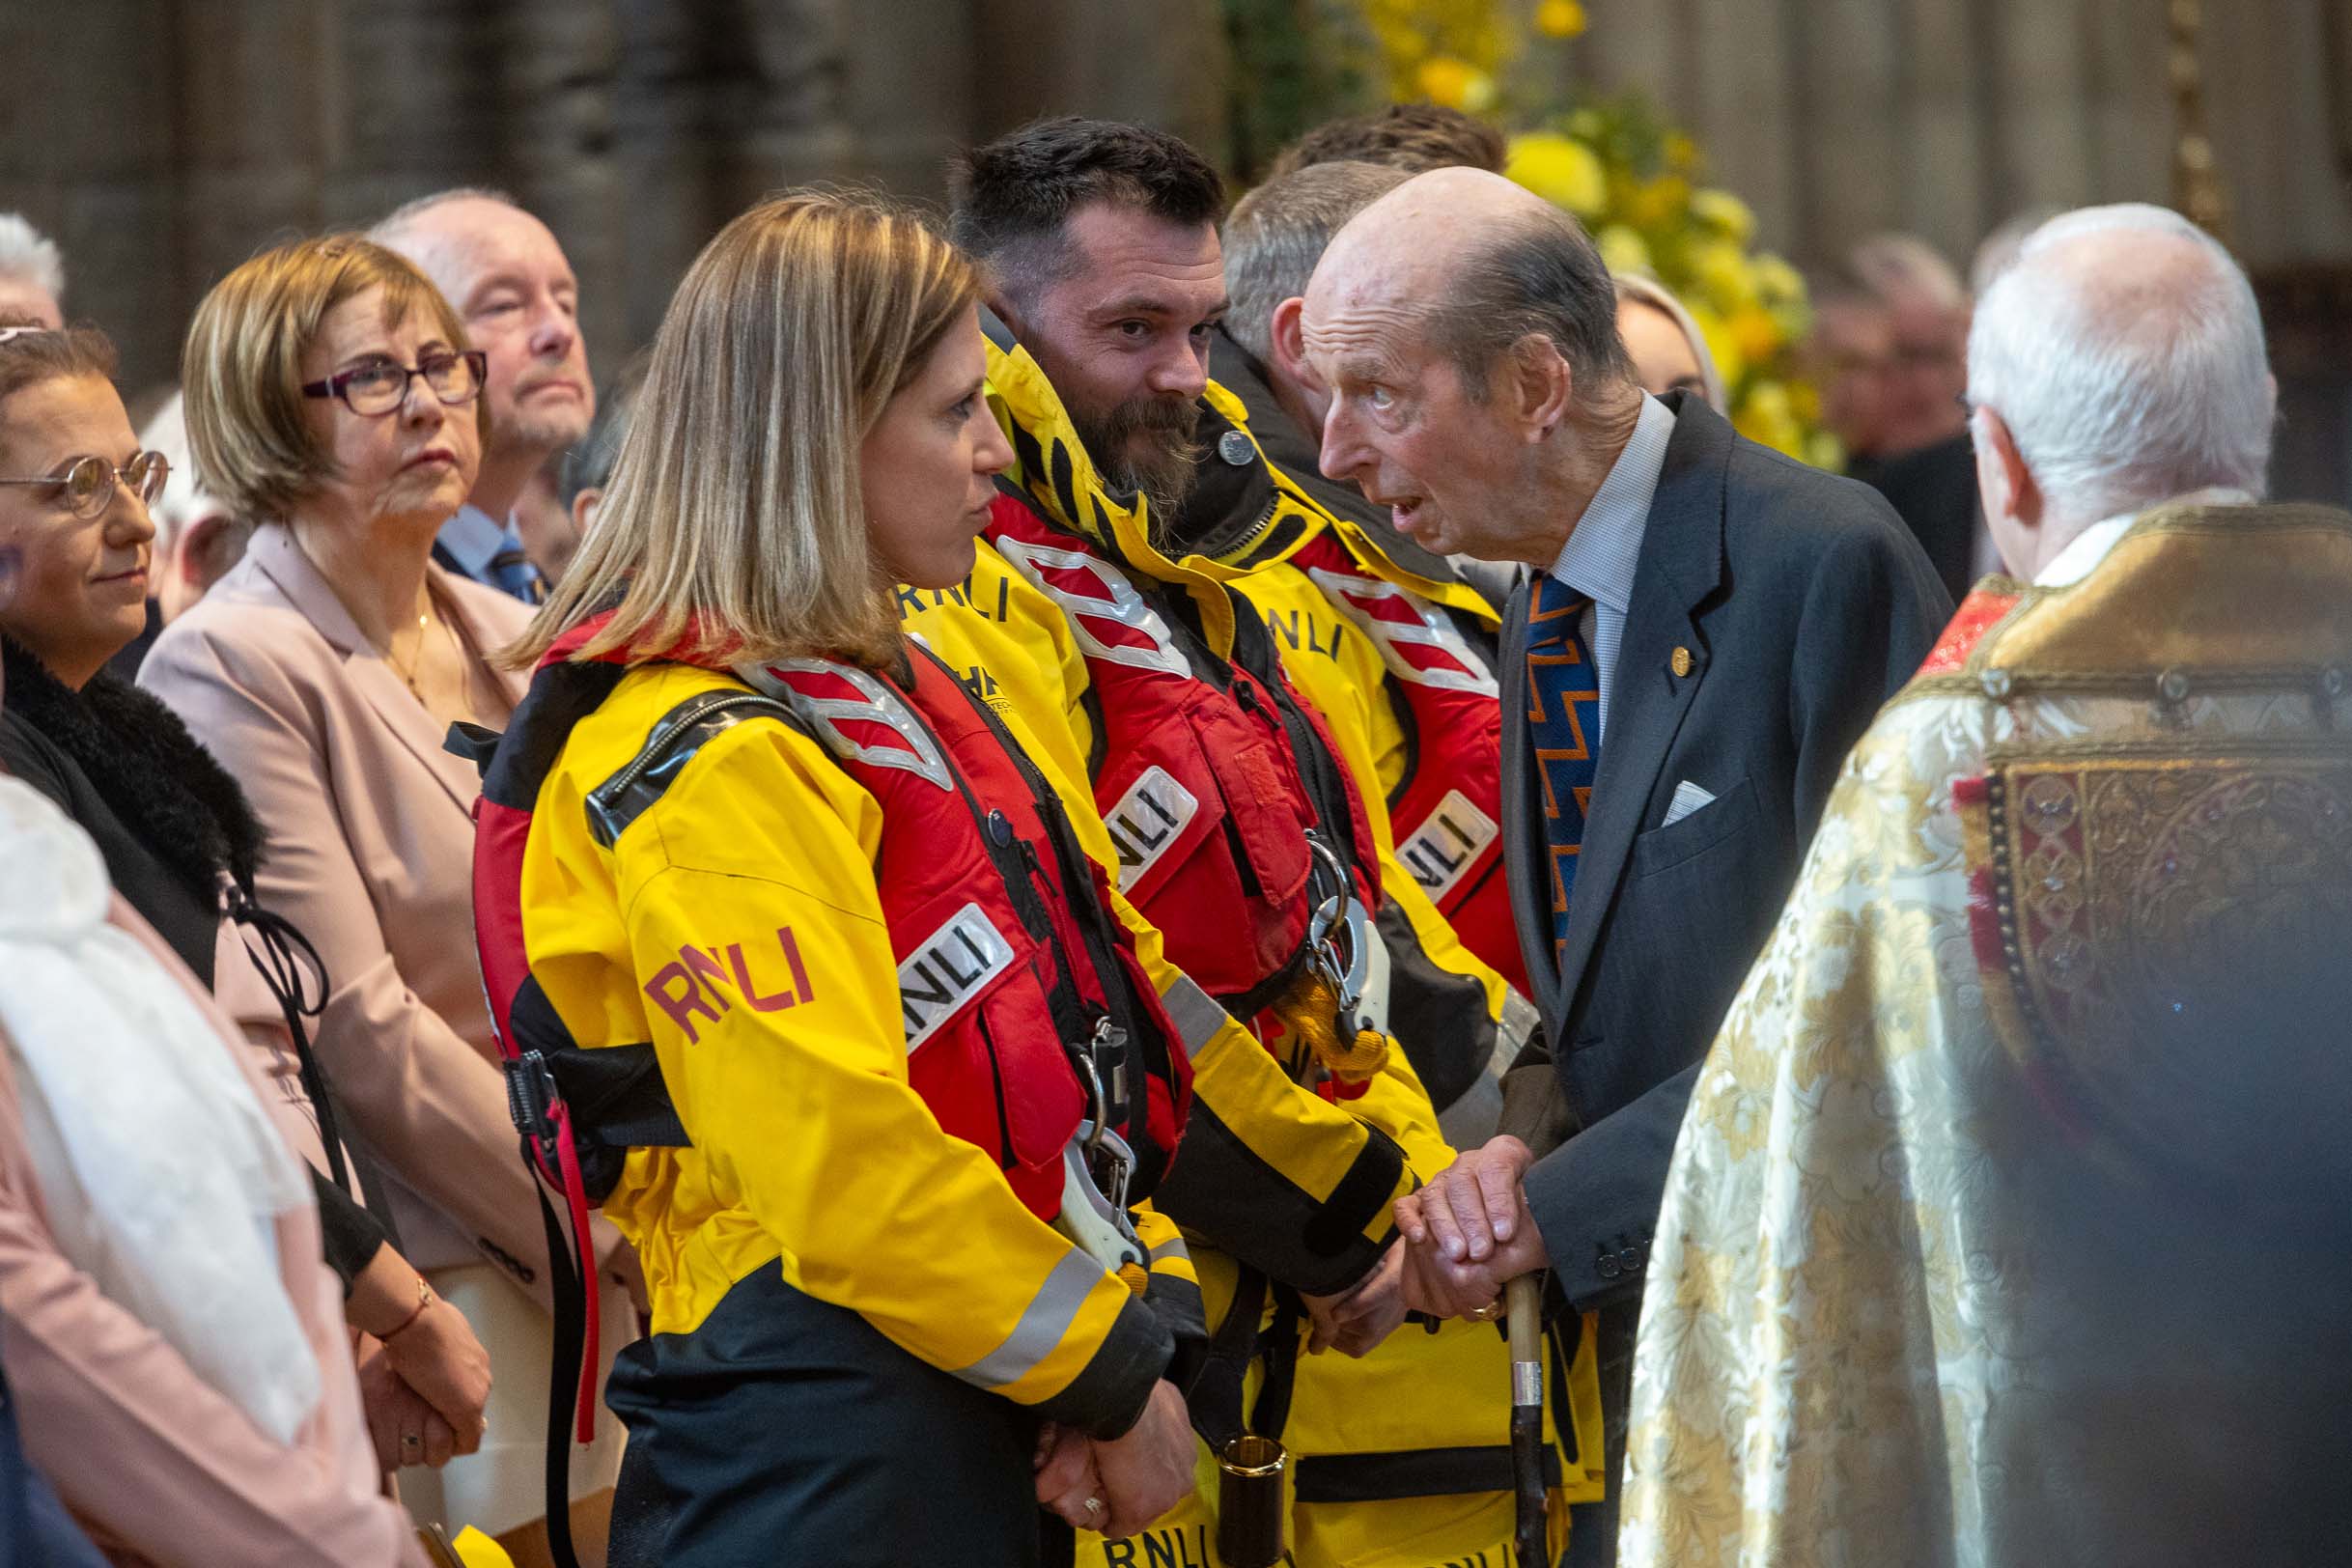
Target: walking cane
{"type": "Point", "coordinates": [1526, 1317]}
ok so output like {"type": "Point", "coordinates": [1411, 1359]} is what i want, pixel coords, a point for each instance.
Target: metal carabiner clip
{"type": "Point", "coordinates": [1095, 1128]}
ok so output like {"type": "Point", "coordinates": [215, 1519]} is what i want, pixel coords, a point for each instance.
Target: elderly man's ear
{"type": "Point", "coordinates": [2008, 487]}
{"type": "Point", "coordinates": [1537, 387]}
{"type": "Point", "coordinates": [1289, 340]}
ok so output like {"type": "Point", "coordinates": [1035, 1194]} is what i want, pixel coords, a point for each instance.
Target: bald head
{"type": "Point", "coordinates": [2121, 355]}
{"type": "Point", "coordinates": [1481, 265]}
{"type": "Point", "coordinates": [1466, 334]}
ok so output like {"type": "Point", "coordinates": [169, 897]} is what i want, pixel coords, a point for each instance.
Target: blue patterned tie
{"type": "Point", "coordinates": [1564, 725]}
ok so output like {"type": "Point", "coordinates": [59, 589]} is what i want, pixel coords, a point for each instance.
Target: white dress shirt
{"type": "Point", "coordinates": [2082, 554]}
{"type": "Point", "coordinates": [1599, 558]}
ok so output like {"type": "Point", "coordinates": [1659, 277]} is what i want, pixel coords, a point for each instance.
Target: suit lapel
{"type": "Point", "coordinates": [1680, 566]}
{"type": "Point", "coordinates": [369, 672]}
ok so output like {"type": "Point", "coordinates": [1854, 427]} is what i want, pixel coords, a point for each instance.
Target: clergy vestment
{"type": "Point", "coordinates": [2010, 1221]}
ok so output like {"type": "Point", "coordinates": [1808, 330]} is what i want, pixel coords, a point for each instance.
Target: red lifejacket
{"type": "Point", "coordinates": [1018, 992]}
{"type": "Point", "coordinates": [1447, 808]}
{"type": "Point", "coordinates": [1023, 997]}
{"type": "Point", "coordinates": [1210, 773]}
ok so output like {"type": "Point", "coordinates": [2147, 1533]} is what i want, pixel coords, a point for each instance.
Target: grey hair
{"type": "Point", "coordinates": [1278, 232]}
{"type": "Point", "coordinates": [387, 229]}
{"type": "Point", "coordinates": [1642, 291]}
{"type": "Point", "coordinates": [1537, 274]}
{"type": "Point", "coordinates": [1899, 267]}
{"type": "Point", "coordinates": [183, 500]}
{"type": "Point", "coordinates": [26, 253]}
{"type": "Point", "coordinates": [2124, 386]}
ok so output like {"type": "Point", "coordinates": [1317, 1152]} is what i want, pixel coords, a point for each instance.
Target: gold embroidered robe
{"type": "Point", "coordinates": [2009, 1221]}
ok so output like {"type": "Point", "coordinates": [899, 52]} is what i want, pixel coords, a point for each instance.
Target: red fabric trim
{"type": "Point", "coordinates": [1978, 614]}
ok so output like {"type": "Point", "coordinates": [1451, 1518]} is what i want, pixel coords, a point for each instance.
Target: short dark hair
{"type": "Point", "coordinates": [1415, 137]}
{"type": "Point", "coordinates": [33, 354]}
{"type": "Point", "coordinates": [1010, 199]}
{"type": "Point", "coordinates": [1538, 275]}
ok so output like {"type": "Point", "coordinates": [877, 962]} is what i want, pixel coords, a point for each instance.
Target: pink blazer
{"type": "Point", "coordinates": [369, 850]}
{"type": "Point", "coordinates": [156, 1463]}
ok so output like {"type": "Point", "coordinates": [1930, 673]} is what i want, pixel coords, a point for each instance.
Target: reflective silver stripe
{"type": "Point", "coordinates": [1521, 1022]}
{"type": "Point", "coordinates": [1171, 1250]}
{"type": "Point", "coordinates": [1043, 1324]}
{"type": "Point", "coordinates": [1195, 1013]}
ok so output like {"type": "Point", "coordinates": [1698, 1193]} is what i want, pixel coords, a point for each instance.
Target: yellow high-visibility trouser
{"type": "Point", "coordinates": [1415, 1393]}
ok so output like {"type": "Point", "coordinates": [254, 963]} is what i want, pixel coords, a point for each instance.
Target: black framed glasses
{"type": "Point", "coordinates": [87, 486]}
{"type": "Point", "coordinates": [381, 387]}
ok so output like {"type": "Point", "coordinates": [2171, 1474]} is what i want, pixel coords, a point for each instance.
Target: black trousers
{"type": "Point", "coordinates": [1592, 1526]}
{"type": "Point", "coordinates": [785, 1431]}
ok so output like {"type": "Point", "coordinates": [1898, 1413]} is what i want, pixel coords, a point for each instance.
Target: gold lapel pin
{"type": "Point", "coordinates": [1680, 661]}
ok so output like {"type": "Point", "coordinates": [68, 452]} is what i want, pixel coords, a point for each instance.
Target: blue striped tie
{"type": "Point", "coordinates": [1564, 726]}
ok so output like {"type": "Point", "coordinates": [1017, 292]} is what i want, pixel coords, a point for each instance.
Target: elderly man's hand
{"type": "Point", "coordinates": [1469, 1231]}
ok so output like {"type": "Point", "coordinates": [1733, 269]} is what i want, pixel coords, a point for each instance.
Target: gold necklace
{"type": "Point", "coordinates": [408, 676]}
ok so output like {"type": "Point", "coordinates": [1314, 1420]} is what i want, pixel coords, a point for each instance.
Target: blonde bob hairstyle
{"type": "Point", "coordinates": [735, 526]}
{"type": "Point", "coordinates": [241, 368]}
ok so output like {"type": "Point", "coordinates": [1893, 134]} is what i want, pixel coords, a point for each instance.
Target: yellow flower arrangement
{"type": "Point", "coordinates": [1561, 170]}
{"type": "Point", "coordinates": [1560, 18]}
{"type": "Point", "coordinates": [1636, 182]}
{"type": "Point", "coordinates": [1455, 83]}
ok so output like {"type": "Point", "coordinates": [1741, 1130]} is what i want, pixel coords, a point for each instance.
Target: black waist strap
{"type": "Point", "coordinates": [1416, 1472]}
{"type": "Point", "coordinates": [617, 1099]}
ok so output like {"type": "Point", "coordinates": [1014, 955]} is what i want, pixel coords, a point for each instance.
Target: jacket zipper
{"type": "Point", "coordinates": [660, 750]}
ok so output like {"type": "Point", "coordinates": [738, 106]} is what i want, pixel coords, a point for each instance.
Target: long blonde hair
{"type": "Point", "coordinates": [734, 524]}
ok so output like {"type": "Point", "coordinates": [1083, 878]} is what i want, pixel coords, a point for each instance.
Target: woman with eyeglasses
{"type": "Point", "coordinates": [331, 396]}
{"type": "Point", "coordinates": [133, 1381]}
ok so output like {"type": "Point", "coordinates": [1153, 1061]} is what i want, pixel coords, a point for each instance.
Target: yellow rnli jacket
{"type": "Point", "coordinates": [1278, 1151]}
{"type": "Point", "coordinates": [1029, 657]}
{"type": "Point", "coordinates": [810, 1152]}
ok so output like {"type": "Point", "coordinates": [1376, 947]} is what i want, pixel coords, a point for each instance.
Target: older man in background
{"type": "Point", "coordinates": [2009, 1222]}
{"type": "Point", "coordinates": [1890, 339]}
{"type": "Point", "coordinates": [32, 274]}
{"type": "Point", "coordinates": [1708, 628]}
{"type": "Point", "coordinates": [506, 274]}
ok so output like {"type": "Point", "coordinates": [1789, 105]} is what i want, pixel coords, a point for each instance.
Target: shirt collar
{"type": "Point", "coordinates": [472, 537]}
{"type": "Point", "coordinates": [2086, 549]}
{"type": "Point", "coordinates": [1599, 557]}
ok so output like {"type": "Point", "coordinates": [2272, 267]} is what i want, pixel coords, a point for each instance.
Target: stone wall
{"type": "Point", "coordinates": [160, 141]}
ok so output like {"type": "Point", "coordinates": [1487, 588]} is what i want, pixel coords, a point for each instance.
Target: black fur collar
{"type": "Point", "coordinates": [148, 768]}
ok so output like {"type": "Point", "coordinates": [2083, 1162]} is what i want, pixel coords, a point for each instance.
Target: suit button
{"type": "Point", "coordinates": [1609, 1267]}
{"type": "Point", "coordinates": [1631, 1259]}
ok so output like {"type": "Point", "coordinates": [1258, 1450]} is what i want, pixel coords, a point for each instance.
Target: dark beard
{"type": "Point", "coordinates": [1164, 473]}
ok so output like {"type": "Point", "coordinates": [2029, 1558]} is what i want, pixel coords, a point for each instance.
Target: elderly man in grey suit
{"type": "Point", "coordinates": [1707, 629]}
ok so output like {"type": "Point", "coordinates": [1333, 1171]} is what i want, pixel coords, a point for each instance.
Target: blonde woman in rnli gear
{"type": "Point", "coordinates": [1102, 257]}
{"type": "Point", "coordinates": [894, 1312]}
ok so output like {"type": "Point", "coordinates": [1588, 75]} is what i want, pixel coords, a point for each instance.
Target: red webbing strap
{"type": "Point", "coordinates": [575, 1198]}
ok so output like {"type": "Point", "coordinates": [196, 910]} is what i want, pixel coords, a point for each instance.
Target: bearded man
{"type": "Point", "coordinates": [1230, 791]}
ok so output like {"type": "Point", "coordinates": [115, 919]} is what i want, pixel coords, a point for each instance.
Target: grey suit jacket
{"type": "Point", "coordinates": [1802, 603]}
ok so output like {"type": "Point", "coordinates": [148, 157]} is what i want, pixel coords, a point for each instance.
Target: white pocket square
{"type": "Point", "coordinates": [1688, 797]}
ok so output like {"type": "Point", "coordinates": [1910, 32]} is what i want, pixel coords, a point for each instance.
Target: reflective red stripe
{"type": "Point", "coordinates": [1444, 816]}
